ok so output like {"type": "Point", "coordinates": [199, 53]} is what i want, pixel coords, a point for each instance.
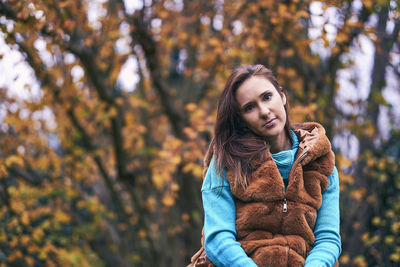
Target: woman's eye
{"type": "Point", "coordinates": [267, 97]}
{"type": "Point", "coordinates": [248, 108]}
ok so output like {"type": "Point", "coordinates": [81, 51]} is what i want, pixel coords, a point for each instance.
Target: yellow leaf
{"type": "Point", "coordinates": [335, 50]}
{"type": "Point", "coordinates": [190, 133]}
{"type": "Point", "coordinates": [343, 161]}
{"type": "Point", "coordinates": [282, 9]}
{"type": "Point", "coordinates": [151, 203]}
{"type": "Point", "coordinates": [25, 218]}
{"type": "Point", "coordinates": [395, 257]}
{"type": "Point", "coordinates": [214, 41]}
{"type": "Point", "coordinates": [61, 217]}
{"type": "Point", "coordinates": [174, 186]}
{"type": "Point", "coordinates": [341, 37]}
{"type": "Point", "coordinates": [113, 112]}
{"type": "Point", "coordinates": [29, 260]}
{"type": "Point", "coordinates": [38, 234]}
{"type": "Point", "coordinates": [3, 237]}
{"type": "Point", "coordinates": [168, 200]}
{"type": "Point", "coordinates": [16, 254]}
{"type": "Point", "coordinates": [14, 159]}
{"type": "Point", "coordinates": [302, 14]}
{"type": "Point", "coordinates": [142, 233]}
{"type": "Point", "coordinates": [176, 160]}
{"type": "Point", "coordinates": [369, 4]}
{"type": "Point", "coordinates": [360, 261]}
{"type": "Point", "coordinates": [396, 227]}
{"type": "Point", "coordinates": [25, 239]}
{"type": "Point", "coordinates": [344, 259]}
{"type": "Point", "coordinates": [63, 4]}
{"type": "Point", "coordinates": [358, 194]}
{"type": "Point", "coordinates": [185, 217]}
{"type": "Point", "coordinates": [346, 178]}
{"type": "Point", "coordinates": [370, 130]}
{"type": "Point", "coordinates": [158, 181]}
{"type": "Point", "coordinates": [197, 171]}
{"type": "Point", "coordinates": [18, 206]}
{"type": "Point", "coordinates": [389, 239]}
{"type": "Point", "coordinates": [3, 171]}
{"type": "Point", "coordinates": [376, 221]}
{"type": "Point", "coordinates": [13, 242]}
{"type": "Point", "coordinates": [188, 167]}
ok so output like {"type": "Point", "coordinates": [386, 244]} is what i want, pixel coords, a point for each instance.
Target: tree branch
{"type": "Point", "coordinates": [87, 55]}
{"type": "Point", "coordinates": [4, 195]}
{"type": "Point", "coordinates": [46, 79]}
{"type": "Point", "coordinates": [141, 36]}
{"type": "Point", "coordinates": [31, 178]}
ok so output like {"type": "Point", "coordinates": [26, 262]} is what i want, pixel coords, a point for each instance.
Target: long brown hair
{"type": "Point", "coordinates": [234, 145]}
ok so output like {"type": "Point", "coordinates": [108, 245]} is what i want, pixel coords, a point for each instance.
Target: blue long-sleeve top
{"type": "Point", "coordinates": [220, 217]}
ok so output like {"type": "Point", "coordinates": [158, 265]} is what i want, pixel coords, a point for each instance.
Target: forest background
{"type": "Point", "coordinates": [101, 148]}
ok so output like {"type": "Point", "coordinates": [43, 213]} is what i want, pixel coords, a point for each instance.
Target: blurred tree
{"type": "Point", "coordinates": [115, 179]}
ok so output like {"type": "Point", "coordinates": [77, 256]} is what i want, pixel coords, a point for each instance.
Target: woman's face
{"type": "Point", "coordinates": [262, 108]}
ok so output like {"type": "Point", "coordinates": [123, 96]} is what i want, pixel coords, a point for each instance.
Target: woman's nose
{"type": "Point", "coordinates": [264, 110]}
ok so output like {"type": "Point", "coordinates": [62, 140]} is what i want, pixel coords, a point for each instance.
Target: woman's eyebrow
{"type": "Point", "coordinates": [246, 104]}
{"type": "Point", "coordinates": [252, 101]}
{"type": "Point", "coordinates": [265, 92]}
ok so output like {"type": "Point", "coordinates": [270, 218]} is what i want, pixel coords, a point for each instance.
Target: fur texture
{"type": "Point", "coordinates": [268, 235]}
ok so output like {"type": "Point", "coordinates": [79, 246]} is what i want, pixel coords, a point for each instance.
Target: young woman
{"type": "Point", "coordinates": [271, 190]}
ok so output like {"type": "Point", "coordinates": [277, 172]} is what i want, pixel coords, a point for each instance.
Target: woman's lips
{"type": "Point", "coordinates": [270, 123]}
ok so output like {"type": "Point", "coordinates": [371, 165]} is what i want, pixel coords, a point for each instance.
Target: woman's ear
{"type": "Point", "coordinates": [283, 96]}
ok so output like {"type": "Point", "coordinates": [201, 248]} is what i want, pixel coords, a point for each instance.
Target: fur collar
{"type": "Point", "coordinates": [314, 153]}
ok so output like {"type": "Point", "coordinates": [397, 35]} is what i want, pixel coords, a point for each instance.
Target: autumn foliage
{"type": "Point", "coordinates": [96, 174]}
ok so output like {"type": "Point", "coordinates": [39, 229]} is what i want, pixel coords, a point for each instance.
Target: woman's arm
{"type": "Point", "coordinates": [327, 245]}
{"type": "Point", "coordinates": [219, 222]}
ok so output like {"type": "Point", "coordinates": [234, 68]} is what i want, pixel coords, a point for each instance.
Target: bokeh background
{"type": "Point", "coordinates": [107, 107]}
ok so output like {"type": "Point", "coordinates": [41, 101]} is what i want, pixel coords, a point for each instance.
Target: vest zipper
{"type": "Point", "coordinates": [284, 205]}
{"type": "Point", "coordinates": [299, 158]}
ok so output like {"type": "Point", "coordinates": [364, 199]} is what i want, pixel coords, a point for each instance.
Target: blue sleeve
{"type": "Point", "coordinates": [219, 222]}
{"type": "Point", "coordinates": [327, 245]}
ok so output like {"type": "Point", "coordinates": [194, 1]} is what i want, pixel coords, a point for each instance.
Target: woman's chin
{"type": "Point", "coordinates": [272, 134]}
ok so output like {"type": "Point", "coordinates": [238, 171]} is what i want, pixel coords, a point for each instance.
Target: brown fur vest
{"type": "Point", "coordinates": [274, 227]}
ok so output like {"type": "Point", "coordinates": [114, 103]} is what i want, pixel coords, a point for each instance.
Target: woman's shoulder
{"type": "Point", "coordinates": [334, 178]}
{"type": "Point", "coordinates": [212, 179]}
